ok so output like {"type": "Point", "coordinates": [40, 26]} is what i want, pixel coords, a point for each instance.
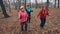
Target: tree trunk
{"type": "Point", "coordinates": [58, 3]}
{"type": "Point", "coordinates": [9, 7]}
{"type": "Point", "coordinates": [14, 4]}
{"type": "Point", "coordinates": [18, 4]}
{"type": "Point", "coordinates": [55, 4]}
{"type": "Point", "coordinates": [47, 4]}
{"type": "Point", "coordinates": [3, 9]}
{"type": "Point", "coordinates": [36, 3]}
{"type": "Point", "coordinates": [30, 3]}
{"type": "Point", "coordinates": [25, 4]}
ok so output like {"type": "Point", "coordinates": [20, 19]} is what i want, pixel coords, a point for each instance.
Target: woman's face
{"type": "Point", "coordinates": [22, 9]}
{"type": "Point", "coordinates": [44, 8]}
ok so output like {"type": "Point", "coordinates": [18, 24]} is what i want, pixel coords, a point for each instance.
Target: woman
{"type": "Point", "coordinates": [42, 14]}
{"type": "Point", "coordinates": [28, 10]}
{"type": "Point", "coordinates": [22, 17]}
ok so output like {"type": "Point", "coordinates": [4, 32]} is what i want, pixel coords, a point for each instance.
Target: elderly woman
{"type": "Point", "coordinates": [29, 10]}
{"type": "Point", "coordinates": [42, 15]}
{"type": "Point", "coordinates": [22, 17]}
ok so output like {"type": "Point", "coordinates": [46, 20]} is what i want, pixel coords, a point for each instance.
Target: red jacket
{"type": "Point", "coordinates": [22, 16]}
{"type": "Point", "coordinates": [43, 13]}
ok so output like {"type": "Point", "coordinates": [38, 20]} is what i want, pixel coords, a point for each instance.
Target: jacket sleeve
{"type": "Point", "coordinates": [26, 9]}
{"type": "Point", "coordinates": [19, 14]}
{"type": "Point", "coordinates": [47, 13]}
{"type": "Point", "coordinates": [26, 14]}
{"type": "Point", "coordinates": [39, 13]}
{"type": "Point", "coordinates": [31, 10]}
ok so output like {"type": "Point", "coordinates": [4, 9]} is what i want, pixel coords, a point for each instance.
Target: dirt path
{"type": "Point", "coordinates": [12, 26]}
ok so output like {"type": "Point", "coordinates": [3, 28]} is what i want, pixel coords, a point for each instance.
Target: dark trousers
{"type": "Point", "coordinates": [24, 26]}
{"type": "Point", "coordinates": [43, 20]}
{"type": "Point", "coordinates": [29, 18]}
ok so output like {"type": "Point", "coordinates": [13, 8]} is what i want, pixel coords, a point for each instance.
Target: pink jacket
{"type": "Point", "coordinates": [22, 16]}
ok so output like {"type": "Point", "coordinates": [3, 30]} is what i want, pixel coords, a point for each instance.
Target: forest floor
{"type": "Point", "coordinates": [12, 26]}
